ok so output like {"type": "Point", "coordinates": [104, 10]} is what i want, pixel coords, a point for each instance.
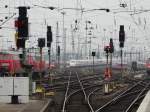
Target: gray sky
{"type": "Point", "coordinates": [136, 26]}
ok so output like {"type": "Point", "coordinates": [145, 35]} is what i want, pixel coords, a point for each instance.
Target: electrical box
{"type": "Point", "coordinates": [14, 87]}
{"type": "Point", "coordinates": [21, 86]}
{"type": "Point", "coordinates": [5, 99]}
{"type": "Point", "coordinates": [6, 86]}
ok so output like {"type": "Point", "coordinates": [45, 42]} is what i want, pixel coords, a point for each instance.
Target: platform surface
{"type": "Point", "coordinates": [32, 106]}
{"type": "Point", "coordinates": [145, 105]}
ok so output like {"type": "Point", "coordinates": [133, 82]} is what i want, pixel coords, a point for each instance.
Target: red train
{"type": "Point", "coordinates": [10, 64]}
{"type": "Point", "coordinates": [148, 66]}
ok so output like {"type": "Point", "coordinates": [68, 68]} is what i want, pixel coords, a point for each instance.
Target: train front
{"type": "Point", "coordinates": [148, 66]}
{"type": "Point", "coordinates": [5, 65]}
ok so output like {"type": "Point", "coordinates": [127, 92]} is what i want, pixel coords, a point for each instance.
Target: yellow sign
{"type": "Point", "coordinates": [39, 90]}
{"type": "Point", "coordinates": [50, 94]}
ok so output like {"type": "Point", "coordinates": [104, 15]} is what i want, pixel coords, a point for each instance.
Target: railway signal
{"type": "Point", "coordinates": [108, 70]}
{"type": "Point", "coordinates": [20, 43]}
{"type": "Point", "coordinates": [107, 50]}
{"type": "Point", "coordinates": [41, 42]}
{"type": "Point", "coordinates": [49, 36]}
{"type": "Point", "coordinates": [49, 41]}
{"type": "Point", "coordinates": [111, 45]}
{"type": "Point", "coordinates": [58, 54]}
{"type": "Point", "coordinates": [121, 36]}
{"type": "Point", "coordinates": [121, 45]}
{"type": "Point", "coordinates": [93, 54]}
{"type": "Point", "coordinates": [21, 23]}
{"type": "Point", "coordinates": [111, 50]}
{"type": "Point", "coordinates": [106, 85]}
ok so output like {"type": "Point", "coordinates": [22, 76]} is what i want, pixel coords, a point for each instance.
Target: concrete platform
{"type": "Point", "coordinates": [32, 106]}
{"type": "Point", "coordinates": [145, 105]}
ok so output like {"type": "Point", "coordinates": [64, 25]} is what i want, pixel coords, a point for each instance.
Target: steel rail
{"type": "Point", "coordinates": [66, 94]}
{"type": "Point", "coordinates": [119, 96]}
{"type": "Point", "coordinates": [135, 100]}
{"type": "Point", "coordinates": [88, 99]}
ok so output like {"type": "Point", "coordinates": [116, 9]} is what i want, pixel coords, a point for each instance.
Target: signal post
{"type": "Point", "coordinates": [93, 55]}
{"type": "Point", "coordinates": [108, 70]}
{"type": "Point", "coordinates": [121, 45]}
{"type": "Point", "coordinates": [21, 26]}
{"type": "Point", "coordinates": [41, 44]}
{"type": "Point", "coordinates": [49, 41]}
{"type": "Point", "coordinates": [107, 75]}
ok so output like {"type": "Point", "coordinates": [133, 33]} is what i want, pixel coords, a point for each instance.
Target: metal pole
{"type": "Point", "coordinates": [57, 39]}
{"type": "Point", "coordinates": [58, 55]}
{"type": "Point", "coordinates": [93, 64]}
{"type": "Point", "coordinates": [63, 36]}
{"type": "Point", "coordinates": [98, 51]}
{"type": "Point", "coordinates": [49, 54]}
{"type": "Point", "coordinates": [107, 61]}
{"type": "Point", "coordinates": [65, 59]}
{"type": "Point", "coordinates": [121, 63]}
{"type": "Point", "coordinates": [90, 49]}
{"type": "Point", "coordinates": [86, 39]}
{"type": "Point", "coordinates": [23, 56]}
{"type": "Point", "coordinates": [106, 72]}
{"type": "Point", "coordinates": [130, 56]}
{"type": "Point", "coordinates": [78, 56]}
{"type": "Point", "coordinates": [51, 80]}
{"type": "Point", "coordinates": [139, 55]}
{"type": "Point", "coordinates": [73, 49]}
{"type": "Point", "coordinates": [58, 61]}
{"type": "Point", "coordinates": [63, 13]}
{"type": "Point", "coordinates": [110, 64]}
{"type": "Point", "coordinates": [41, 66]}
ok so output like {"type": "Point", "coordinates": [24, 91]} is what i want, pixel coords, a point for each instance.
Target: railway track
{"type": "Point", "coordinates": [126, 101]}
{"type": "Point", "coordinates": [62, 85]}
{"type": "Point", "coordinates": [76, 100]}
{"type": "Point", "coordinates": [77, 93]}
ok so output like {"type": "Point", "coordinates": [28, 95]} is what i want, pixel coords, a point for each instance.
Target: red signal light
{"type": "Point", "coordinates": [18, 23]}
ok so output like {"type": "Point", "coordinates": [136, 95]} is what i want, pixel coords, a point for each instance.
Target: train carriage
{"type": "Point", "coordinates": [10, 64]}
{"type": "Point", "coordinates": [148, 66]}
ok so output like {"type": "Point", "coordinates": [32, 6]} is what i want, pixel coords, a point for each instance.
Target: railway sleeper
{"type": "Point", "coordinates": [115, 108]}
{"type": "Point", "coordinates": [75, 102]}
{"type": "Point", "coordinates": [77, 108]}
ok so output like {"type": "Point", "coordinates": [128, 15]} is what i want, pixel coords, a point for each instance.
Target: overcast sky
{"type": "Point", "coordinates": [106, 25]}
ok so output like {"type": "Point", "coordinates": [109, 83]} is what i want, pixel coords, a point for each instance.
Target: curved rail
{"type": "Point", "coordinates": [63, 110]}
{"type": "Point", "coordinates": [137, 98]}
{"type": "Point", "coordinates": [88, 99]}
{"type": "Point", "coordinates": [119, 96]}
{"type": "Point", "coordinates": [82, 88]}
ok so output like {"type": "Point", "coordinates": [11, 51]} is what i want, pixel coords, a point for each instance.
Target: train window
{"type": "Point", "coordinates": [1, 57]}
{"type": "Point", "coordinates": [4, 57]}
{"type": "Point", "coordinates": [15, 57]}
{"type": "Point", "coordinates": [37, 58]}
